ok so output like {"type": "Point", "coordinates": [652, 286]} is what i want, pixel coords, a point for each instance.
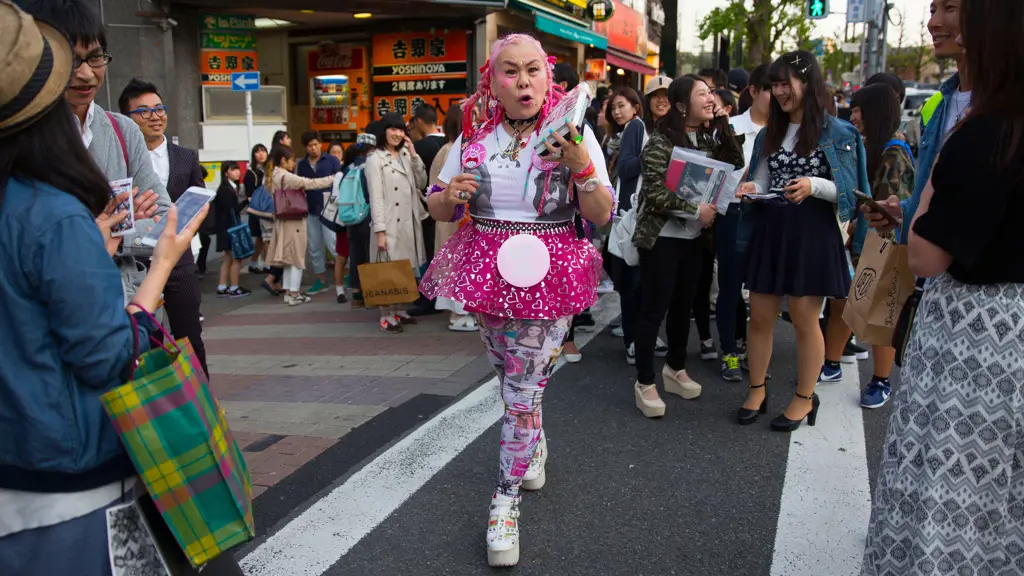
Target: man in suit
{"type": "Point", "coordinates": [178, 169]}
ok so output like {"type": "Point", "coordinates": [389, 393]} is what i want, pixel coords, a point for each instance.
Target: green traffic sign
{"type": "Point", "coordinates": [817, 9]}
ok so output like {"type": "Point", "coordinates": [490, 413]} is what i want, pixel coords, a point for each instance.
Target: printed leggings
{"type": "Point", "coordinates": [524, 353]}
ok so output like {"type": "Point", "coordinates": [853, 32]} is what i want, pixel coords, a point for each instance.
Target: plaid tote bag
{"type": "Point", "coordinates": [177, 436]}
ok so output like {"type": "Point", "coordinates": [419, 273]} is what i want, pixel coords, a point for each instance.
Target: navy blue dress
{"type": "Point", "coordinates": [797, 249]}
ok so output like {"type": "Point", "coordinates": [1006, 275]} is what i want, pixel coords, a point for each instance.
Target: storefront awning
{"type": "Point", "coordinates": [564, 29]}
{"type": "Point", "coordinates": [630, 62]}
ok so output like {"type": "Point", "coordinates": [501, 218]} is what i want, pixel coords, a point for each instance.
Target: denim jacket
{"type": "Point", "coordinates": [844, 148]}
{"type": "Point", "coordinates": [66, 340]}
{"type": "Point", "coordinates": [927, 152]}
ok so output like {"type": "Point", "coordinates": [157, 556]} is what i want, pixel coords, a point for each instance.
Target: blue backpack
{"type": "Point", "coordinates": [351, 201]}
{"type": "Point", "coordinates": [897, 143]}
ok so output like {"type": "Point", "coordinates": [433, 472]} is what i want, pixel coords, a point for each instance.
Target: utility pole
{"type": "Point", "coordinates": [885, 36]}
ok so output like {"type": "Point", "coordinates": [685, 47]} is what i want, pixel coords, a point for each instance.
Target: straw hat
{"type": "Point", "coordinates": [35, 65]}
{"type": "Point", "coordinates": [657, 83]}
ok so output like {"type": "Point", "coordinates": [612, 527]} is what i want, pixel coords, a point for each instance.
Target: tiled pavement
{"type": "Point", "coordinates": [294, 380]}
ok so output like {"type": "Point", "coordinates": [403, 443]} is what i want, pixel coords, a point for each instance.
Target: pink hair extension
{"type": "Point", "coordinates": [493, 111]}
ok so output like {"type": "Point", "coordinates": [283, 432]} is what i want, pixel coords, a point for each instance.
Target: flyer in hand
{"type": "Point", "coordinates": [696, 178]}
{"type": "Point", "coordinates": [117, 187]}
{"type": "Point", "coordinates": [573, 107]}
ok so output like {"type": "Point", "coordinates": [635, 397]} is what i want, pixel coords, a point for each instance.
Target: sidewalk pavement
{"type": "Point", "coordinates": [295, 380]}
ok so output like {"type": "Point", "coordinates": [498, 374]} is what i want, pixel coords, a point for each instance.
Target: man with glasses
{"type": "Point", "coordinates": [178, 169]}
{"type": "Point", "coordinates": [114, 141]}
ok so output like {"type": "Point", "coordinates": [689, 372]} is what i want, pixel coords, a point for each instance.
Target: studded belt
{"type": "Point", "coordinates": [493, 226]}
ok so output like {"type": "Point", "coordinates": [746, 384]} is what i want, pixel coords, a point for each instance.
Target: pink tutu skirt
{"type": "Point", "coordinates": [466, 270]}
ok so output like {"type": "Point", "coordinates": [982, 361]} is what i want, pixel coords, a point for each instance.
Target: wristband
{"type": "Point", "coordinates": [586, 173]}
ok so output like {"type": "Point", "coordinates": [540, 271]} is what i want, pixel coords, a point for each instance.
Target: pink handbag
{"type": "Point", "coordinates": [290, 204]}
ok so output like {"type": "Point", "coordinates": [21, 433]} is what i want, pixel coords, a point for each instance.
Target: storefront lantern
{"type": "Point", "coordinates": [600, 10]}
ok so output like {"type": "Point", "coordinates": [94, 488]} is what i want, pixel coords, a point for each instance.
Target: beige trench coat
{"type": "Point", "coordinates": [397, 187]}
{"type": "Point", "coordinates": [288, 246]}
{"type": "Point", "coordinates": [442, 230]}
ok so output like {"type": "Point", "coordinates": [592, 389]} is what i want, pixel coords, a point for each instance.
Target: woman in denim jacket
{"type": "Point", "coordinates": [65, 331]}
{"type": "Point", "coordinates": [796, 249]}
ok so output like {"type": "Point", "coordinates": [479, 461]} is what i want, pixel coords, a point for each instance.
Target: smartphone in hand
{"type": "Point", "coordinates": [876, 207]}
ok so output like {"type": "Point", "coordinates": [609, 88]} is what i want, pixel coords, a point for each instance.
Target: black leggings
{"type": "Point", "coordinates": [669, 274]}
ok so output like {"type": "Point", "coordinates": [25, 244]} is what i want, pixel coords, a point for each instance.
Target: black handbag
{"type": "Point", "coordinates": [905, 324]}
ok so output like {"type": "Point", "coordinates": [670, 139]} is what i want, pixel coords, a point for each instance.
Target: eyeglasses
{"type": "Point", "coordinates": [147, 113]}
{"type": "Point", "coordinates": [93, 60]}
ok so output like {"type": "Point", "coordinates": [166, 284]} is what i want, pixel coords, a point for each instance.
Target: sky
{"type": "Point", "coordinates": [691, 12]}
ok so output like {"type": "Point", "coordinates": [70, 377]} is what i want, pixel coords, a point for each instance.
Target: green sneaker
{"type": "Point", "coordinates": [317, 287]}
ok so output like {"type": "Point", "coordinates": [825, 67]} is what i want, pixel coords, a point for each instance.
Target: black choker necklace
{"type": "Point", "coordinates": [518, 125]}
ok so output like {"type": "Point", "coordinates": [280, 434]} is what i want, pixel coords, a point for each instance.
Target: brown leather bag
{"type": "Point", "coordinates": [290, 204]}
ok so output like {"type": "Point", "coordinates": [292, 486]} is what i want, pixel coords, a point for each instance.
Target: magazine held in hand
{"type": "Point", "coordinates": [696, 178]}
{"type": "Point", "coordinates": [572, 108]}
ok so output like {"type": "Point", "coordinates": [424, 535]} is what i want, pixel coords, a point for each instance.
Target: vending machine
{"type": "Point", "coordinates": [339, 92]}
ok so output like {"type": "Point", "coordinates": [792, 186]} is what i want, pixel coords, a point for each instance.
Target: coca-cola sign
{"type": "Point", "coordinates": [335, 57]}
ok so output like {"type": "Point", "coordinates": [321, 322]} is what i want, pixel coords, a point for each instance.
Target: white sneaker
{"type": "Point", "coordinates": [535, 475]}
{"type": "Point", "coordinates": [660, 348]}
{"type": "Point", "coordinates": [617, 332]}
{"type": "Point", "coordinates": [464, 324]}
{"type": "Point", "coordinates": [503, 531]}
{"type": "Point", "coordinates": [631, 355]}
{"type": "Point", "coordinates": [295, 300]}
{"type": "Point", "coordinates": [605, 287]}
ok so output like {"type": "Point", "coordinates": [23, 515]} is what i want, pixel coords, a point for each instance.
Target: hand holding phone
{"type": "Point", "coordinates": [874, 207]}
{"type": "Point", "coordinates": [189, 206]}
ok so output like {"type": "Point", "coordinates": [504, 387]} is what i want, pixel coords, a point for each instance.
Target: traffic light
{"type": "Point", "coordinates": [817, 9]}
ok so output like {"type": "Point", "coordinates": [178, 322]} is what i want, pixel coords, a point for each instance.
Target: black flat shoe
{"type": "Point", "coordinates": [782, 424]}
{"type": "Point", "coordinates": [746, 416]}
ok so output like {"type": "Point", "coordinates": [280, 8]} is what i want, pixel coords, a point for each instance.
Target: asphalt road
{"type": "Point", "coordinates": [689, 494]}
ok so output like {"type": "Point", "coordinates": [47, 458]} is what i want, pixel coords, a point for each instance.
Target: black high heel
{"type": "Point", "coordinates": [746, 416]}
{"type": "Point", "coordinates": [782, 424]}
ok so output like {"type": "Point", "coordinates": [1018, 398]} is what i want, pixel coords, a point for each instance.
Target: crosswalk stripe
{"type": "Point", "coordinates": [826, 497]}
{"type": "Point", "coordinates": [322, 534]}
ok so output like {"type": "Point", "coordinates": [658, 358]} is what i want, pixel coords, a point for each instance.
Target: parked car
{"type": "Point", "coordinates": [910, 115]}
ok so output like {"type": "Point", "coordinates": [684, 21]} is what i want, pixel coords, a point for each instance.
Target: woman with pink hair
{"type": "Point", "coordinates": [518, 264]}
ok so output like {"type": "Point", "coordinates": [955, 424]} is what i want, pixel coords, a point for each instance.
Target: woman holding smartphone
{"type": "Point", "coordinates": [65, 331]}
{"type": "Point", "coordinates": [668, 230]}
{"type": "Point", "coordinates": [875, 112]}
{"type": "Point", "coordinates": [795, 247]}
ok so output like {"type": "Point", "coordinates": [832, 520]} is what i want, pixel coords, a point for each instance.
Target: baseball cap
{"type": "Point", "coordinates": [657, 83]}
{"type": "Point", "coordinates": [738, 80]}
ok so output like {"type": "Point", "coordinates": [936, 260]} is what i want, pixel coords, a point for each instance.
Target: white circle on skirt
{"type": "Point", "coordinates": [523, 260]}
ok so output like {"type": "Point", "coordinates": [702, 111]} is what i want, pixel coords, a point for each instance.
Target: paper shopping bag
{"type": "Point", "coordinates": [385, 283]}
{"type": "Point", "coordinates": [881, 285]}
{"type": "Point", "coordinates": [177, 436]}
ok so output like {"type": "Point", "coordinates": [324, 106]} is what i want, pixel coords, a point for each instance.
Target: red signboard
{"type": "Point", "coordinates": [626, 30]}
{"type": "Point", "coordinates": [336, 57]}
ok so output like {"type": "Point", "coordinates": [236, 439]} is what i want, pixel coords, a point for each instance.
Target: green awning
{"type": "Point", "coordinates": [563, 29]}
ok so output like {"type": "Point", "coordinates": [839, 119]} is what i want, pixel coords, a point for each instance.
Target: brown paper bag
{"type": "Point", "coordinates": [881, 286]}
{"type": "Point", "coordinates": [385, 283]}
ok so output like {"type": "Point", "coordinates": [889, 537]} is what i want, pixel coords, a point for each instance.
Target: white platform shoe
{"type": "Point", "coordinates": [503, 531]}
{"type": "Point", "coordinates": [535, 476]}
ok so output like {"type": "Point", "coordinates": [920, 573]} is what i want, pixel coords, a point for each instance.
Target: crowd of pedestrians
{"type": "Point", "coordinates": [450, 199]}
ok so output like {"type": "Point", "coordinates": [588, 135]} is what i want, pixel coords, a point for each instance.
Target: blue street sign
{"type": "Point", "coordinates": [245, 81]}
{"type": "Point", "coordinates": [856, 11]}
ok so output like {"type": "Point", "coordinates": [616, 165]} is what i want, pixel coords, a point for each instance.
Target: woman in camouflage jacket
{"type": "Point", "coordinates": [667, 232]}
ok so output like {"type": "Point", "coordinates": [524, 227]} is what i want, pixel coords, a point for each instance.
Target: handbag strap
{"type": "Point", "coordinates": [162, 330]}
{"type": "Point", "coordinates": [385, 253]}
